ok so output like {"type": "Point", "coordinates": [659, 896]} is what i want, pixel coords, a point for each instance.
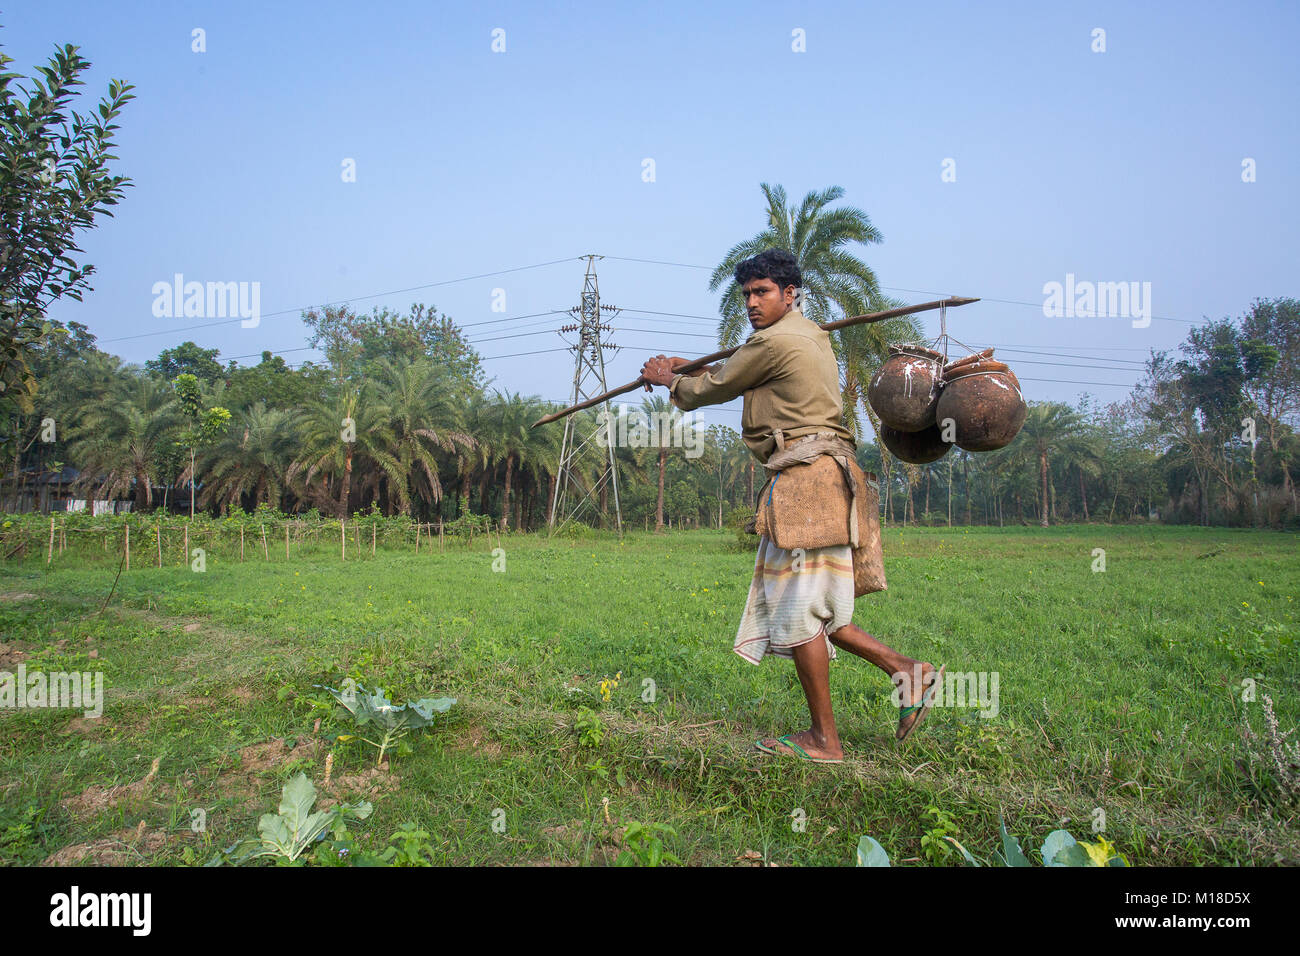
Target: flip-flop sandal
{"type": "Point", "coordinates": [921, 709]}
{"type": "Point", "coordinates": [797, 751]}
{"type": "Point", "coordinates": [759, 745]}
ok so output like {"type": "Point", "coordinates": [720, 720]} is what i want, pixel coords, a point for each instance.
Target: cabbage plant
{"type": "Point", "coordinates": [391, 722]}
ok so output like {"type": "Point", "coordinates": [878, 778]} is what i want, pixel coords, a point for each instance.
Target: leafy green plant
{"type": "Point", "coordinates": [644, 846]}
{"type": "Point", "coordinates": [410, 847]}
{"type": "Point", "coordinates": [589, 727]}
{"type": "Point", "coordinates": [1059, 849]}
{"type": "Point", "coordinates": [934, 843]}
{"type": "Point", "coordinates": [395, 722]}
{"type": "Point", "coordinates": [286, 835]}
{"type": "Point", "coordinates": [23, 834]}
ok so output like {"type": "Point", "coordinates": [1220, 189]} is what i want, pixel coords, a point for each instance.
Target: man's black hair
{"type": "Point", "coordinates": [775, 264]}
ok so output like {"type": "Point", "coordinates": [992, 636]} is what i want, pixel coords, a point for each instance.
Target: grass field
{"type": "Point", "coordinates": [1119, 690]}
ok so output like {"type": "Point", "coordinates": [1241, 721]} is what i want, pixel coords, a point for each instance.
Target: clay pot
{"type": "Point", "coordinates": [917, 448]}
{"type": "Point", "coordinates": [906, 389]}
{"type": "Point", "coordinates": [959, 363]}
{"type": "Point", "coordinates": [983, 399]}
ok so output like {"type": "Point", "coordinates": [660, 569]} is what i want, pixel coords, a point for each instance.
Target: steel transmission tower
{"type": "Point", "coordinates": [572, 496]}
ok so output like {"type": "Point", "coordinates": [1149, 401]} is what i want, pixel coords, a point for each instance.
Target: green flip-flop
{"type": "Point", "coordinates": [922, 708]}
{"type": "Point", "coordinates": [797, 751]}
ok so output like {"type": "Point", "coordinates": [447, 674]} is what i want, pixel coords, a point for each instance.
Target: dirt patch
{"type": "Point", "coordinates": [352, 787]}
{"type": "Point", "coordinates": [475, 738]}
{"type": "Point", "coordinates": [10, 656]}
{"type": "Point", "coordinates": [259, 758]}
{"type": "Point", "coordinates": [120, 848]}
{"type": "Point", "coordinates": [191, 628]}
{"type": "Point", "coordinates": [242, 694]}
{"type": "Point", "coordinates": [564, 831]}
{"type": "Point", "coordinates": [18, 596]}
{"type": "Point", "coordinates": [83, 725]}
{"type": "Point", "coordinates": [95, 799]}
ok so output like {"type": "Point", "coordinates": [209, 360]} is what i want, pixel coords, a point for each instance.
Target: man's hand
{"type": "Point", "coordinates": [656, 372]}
{"type": "Point", "coordinates": [659, 371]}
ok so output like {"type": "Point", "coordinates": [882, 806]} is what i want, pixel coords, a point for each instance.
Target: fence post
{"type": "Point", "coordinates": [343, 540]}
{"type": "Point", "coordinates": [128, 546]}
{"type": "Point", "coordinates": [265, 552]}
{"type": "Point", "coordinates": [372, 539]}
{"type": "Point", "coordinates": [286, 541]}
{"type": "Point", "coordinates": [241, 542]}
{"type": "Point", "coordinates": [49, 555]}
{"type": "Point", "coordinates": [158, 535]}
{"type": "Point", "coordinates": [185, 554]}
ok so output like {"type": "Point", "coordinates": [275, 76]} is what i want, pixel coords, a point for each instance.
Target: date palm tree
{"type": "Point", "coordinates": [253, 458]}
{"type": "Point", "coordinates": [663, 419]}
{"type": "Point", "coordinates": [416, 420]}
{"type": "Point", "coordinates": [1051, 428]}
{"type": "Point", "coordinates": [120, 439]}
{"type": "Point", "coordinates": [328, 437]}
{"type": "Point", "coordinates": [836, 285]}
{"type": "Point", "coordinates": [512, 438]}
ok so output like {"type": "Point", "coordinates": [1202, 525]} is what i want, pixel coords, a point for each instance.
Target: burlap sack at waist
{"type": "Point", "coordinates": [819, 496]}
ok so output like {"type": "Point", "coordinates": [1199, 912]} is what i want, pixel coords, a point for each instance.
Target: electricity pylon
{"type": "Point", "coordinates": [588, 381]}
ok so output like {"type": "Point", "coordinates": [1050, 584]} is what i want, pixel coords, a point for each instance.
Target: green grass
{"type": "Point", "coordinates": [1119, 690]}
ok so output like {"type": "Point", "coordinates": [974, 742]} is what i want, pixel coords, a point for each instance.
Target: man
{"type": "Point", "coordinates": [800, 602]}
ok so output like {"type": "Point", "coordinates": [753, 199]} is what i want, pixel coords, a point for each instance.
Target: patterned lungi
{"type": "Point", "coordinates": [796, 596]}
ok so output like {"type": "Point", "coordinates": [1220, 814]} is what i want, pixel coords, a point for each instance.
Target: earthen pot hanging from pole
{"type": "Point", "coordinates": [905, 391]}
{"type": "Point", "coordinates": [983, 399]}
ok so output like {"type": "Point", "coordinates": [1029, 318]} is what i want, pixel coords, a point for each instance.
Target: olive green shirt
{"type": "Point", "coordinates": [789, 377]}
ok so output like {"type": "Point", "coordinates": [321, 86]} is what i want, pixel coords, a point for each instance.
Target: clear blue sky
{"type": "Point", "coordinates": [1115, 166]}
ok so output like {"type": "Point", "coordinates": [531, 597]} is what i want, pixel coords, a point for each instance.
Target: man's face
{"type": "Point", "coordinates": [765, 302]}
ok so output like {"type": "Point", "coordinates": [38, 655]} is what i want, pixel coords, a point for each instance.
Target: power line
{"type": "Point", "coordinates": [1036, 305]}
{"type": "Point", "coordinates": [358, 298]}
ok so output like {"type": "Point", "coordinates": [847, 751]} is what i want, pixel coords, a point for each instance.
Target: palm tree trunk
{"type": "Point", "coordinates": [505, 501]}
{"type": "Point", "coordinates": [1042, 464]}
{"type": "Point", "coordinates": [346, 485]}
{"type": "Point", "coordinates": [965, 468]}
{"type": "Point", "coordinates": [659, 505]}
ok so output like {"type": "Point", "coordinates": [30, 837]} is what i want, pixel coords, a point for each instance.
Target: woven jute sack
{"type": "Point", "coordinates": [807, 506]}
{"type": "Point", "coordinates": [868, 558]}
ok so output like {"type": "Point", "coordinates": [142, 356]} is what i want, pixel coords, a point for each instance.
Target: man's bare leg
{"type": "Point", "coordinates": [855, 640]}
{"type": "Point", "coordinates": [812, 663]}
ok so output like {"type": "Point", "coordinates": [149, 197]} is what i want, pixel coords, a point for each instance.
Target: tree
{"type": "Point", "coordinates": [54, 181]}
{"type": "Point", "coordinates": [662, 418]}
{"type": "Point", "coordinates": [355, 343]}
{"type": "Point", "coordinates": [251, 459]}
{"type": "Point", "coordinates": [1275, 392]}
{"type": "Point", "coordinates": [118, 442]}
{"type": "Point", "coordinates": [416, 418]}
{"type": "Point", "coordinates": [328, 435]}
{"type": "Point", "coordinates": [512, 438]}
{"type": "Point", "coordinates": [204, 426]}
{"type": "Point", "coordinates": [187, 359]}
{"type": "Point", "coordinates": [1050, 427]}
{"type": "Point", "coordinates": [836, 285]}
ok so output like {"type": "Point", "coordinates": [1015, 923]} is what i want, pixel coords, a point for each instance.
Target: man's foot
{"type": "Point", "coordinates": [913, 713]}
{"type": "Point", "coordinates": [812, 748]}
